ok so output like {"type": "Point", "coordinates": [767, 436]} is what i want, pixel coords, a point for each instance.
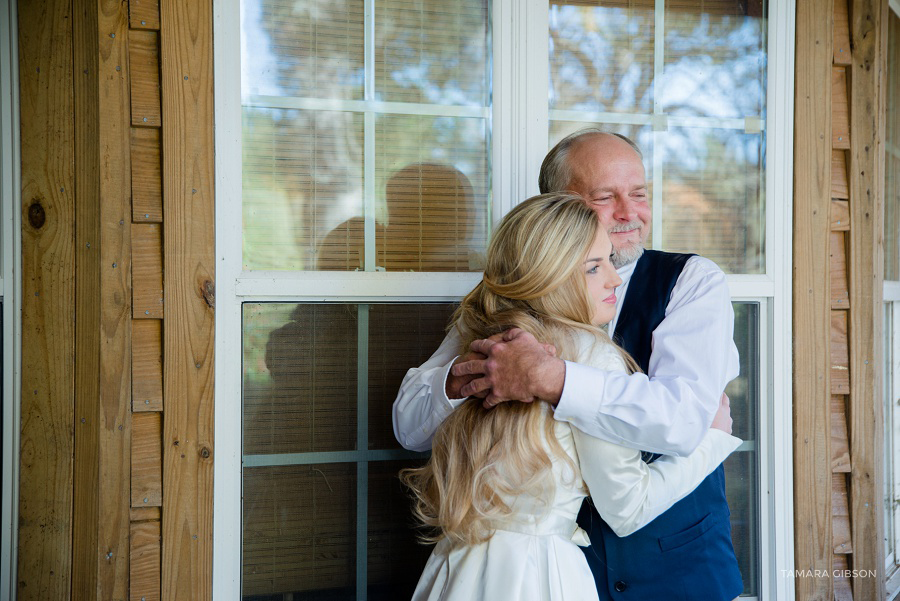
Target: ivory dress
{"type": "Point", "coordinates": [533, 554]}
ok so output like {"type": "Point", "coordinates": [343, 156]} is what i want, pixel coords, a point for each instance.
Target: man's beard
{"type": "Point", "coordinates": [630, 252]}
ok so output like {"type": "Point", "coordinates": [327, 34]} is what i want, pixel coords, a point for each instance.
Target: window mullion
{"type": "Point", "coordinates": [658, 122]}
{"type": "Point", "coordinates": [362, 446]}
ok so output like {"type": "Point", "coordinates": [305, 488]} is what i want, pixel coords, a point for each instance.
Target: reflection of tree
{"type": "Point", "coordinates": [602, 59]}
{"type": "Point", "coordinates": [303, 169]}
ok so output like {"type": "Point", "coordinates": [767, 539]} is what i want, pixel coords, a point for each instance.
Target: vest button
{"type": "Point", "coordinates": [620, 587]}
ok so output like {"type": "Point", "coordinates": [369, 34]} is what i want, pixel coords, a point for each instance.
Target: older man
{"type": "Point", "coordinates": [674, 316]}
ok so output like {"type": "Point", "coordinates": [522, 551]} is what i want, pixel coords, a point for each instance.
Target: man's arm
{"type": "Point", "coordinates": [693, 358]}
{"type": "Point", "coordinates": [427, 396]}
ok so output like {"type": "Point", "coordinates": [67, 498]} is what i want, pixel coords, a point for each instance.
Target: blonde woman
{"type": "Point", "coordinates": [503, 486]}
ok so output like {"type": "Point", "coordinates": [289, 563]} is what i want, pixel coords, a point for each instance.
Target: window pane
{"type": "Point", "coordinates": [299, 531]}
{"type": "Point", "coordinates": [317, 175]}
{"type": "Point", "coordinates": [294, 192]}
{"type": "Point", "coordinates": [891, 441]}
{"type": "Point", "coordinates": [313, 480]}
{"type": "Point", "coordinates": [396, 557]}
{"type": "Point", "coordinates": [401, 336]}
{"type": "Point", "coordinates": [305, 48]}
{"type": "Point", "coordinates": [715, 59]}
{"type": "Point", "coordinates": [300, 371]}
{"type": "Point", "coordinates": [601, 56]}
{"type": "Point", "coordinates": [689, 84]}
{"type": "Point", "coordinates": [712, 196]}
{"type": "Point", "coordinates": [432, 51]}
{"type": "Point", "coordinates": [741, 468]}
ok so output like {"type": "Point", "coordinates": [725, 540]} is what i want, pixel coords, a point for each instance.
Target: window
{"type": "Point", "coordinates": [892, 307]}
{"type": "Point", "coordinates": [378, 142]}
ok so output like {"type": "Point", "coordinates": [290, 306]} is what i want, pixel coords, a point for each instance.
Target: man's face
{"type": "Point", "coordinates": [609, 174]}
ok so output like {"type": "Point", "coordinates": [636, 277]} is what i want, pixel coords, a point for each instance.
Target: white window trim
{"type": "Point", "coordinates": [521, 121]}
{"type": "Point", "coordinates": [10, 290]}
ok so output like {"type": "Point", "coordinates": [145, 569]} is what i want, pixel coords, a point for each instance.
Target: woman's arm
{"type": "Point", "coordinates": [629, 493]}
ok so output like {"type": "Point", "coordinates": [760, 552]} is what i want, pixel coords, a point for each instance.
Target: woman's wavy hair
{"type": "Point", "coordinates": [534, 280]}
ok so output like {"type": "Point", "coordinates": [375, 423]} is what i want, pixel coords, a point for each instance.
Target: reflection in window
{"type": "Point", "coordinates": [337, 100]}
{"type": "Point", "coordinates": [688, 85]}
{"type": "Point", "coordinates": [323, 510]}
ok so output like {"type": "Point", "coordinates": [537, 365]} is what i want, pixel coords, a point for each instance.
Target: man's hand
{"type": "Point", "coordinates": [722, 420]}
{"type": "Point", "coordinates": [517, 367]}
{"type": "Point", "coordinates": [455, 383]}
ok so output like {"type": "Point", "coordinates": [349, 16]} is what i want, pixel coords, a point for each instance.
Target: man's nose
{"type": "Point", "coordinates": [623, 210]}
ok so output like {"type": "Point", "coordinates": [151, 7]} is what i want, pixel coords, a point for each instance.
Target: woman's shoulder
{"type": "Point", "coordinates": [597, 350]}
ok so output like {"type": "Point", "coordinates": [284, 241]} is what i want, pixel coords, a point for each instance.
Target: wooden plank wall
{"type": "Point", "coordinates": [102, 361]}
{"type": "Point", "coordinates": [44, 569]}
{"type": "Point", "coordinates": [837, 295]}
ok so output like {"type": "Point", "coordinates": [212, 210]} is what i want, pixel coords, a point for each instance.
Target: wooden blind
{"type": "Point", "coordinates": [713, 205]}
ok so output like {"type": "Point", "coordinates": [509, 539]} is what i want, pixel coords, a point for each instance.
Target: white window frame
{"type": "Point", "coordinates": [519, 124]}
{"type": "Point", "coordinates": [891, 298]}
{"type": "Point", "coordinates": [10, 291]}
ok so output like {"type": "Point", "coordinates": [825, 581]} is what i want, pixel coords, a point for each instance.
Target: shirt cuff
{"type": "Point", "coordinates": [582, 386]}
{"type": "Point", "coordinates": [439, 388]}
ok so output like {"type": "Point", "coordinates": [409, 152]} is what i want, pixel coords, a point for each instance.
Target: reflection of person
{"type": "Point", "coordinates": [674, 317]}
{"type": "Point", "coordinates": [503, 486]}
{"type": "Point", "coordinates": [430, 214]}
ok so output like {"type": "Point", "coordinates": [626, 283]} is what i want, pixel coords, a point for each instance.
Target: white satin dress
{"type": "Point", "coordinates": [533, 554]}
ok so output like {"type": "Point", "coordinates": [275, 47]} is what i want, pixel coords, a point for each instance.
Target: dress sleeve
{"type": "Point", "coordinates": [422, 404]}
{"type": "Point", "coordinates": [629, 493]}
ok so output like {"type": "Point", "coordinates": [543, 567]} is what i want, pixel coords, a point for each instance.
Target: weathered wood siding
{"type": "Point", "coordinates": [837, 296]}
{"type": "Point", "coordinates": [116, 497]}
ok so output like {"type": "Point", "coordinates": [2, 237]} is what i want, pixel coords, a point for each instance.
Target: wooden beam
{"type": "Point", "coordinates": [144, 14]}
{"type": "Point", "coordinates": [146, 460]}
{"type": "Point", "coordinates": [842, 50]}
{"type": "Point", "coordinates": [143, 60]}
{"type": "Point", "coordinates": [839, 175]}
{"type": "Point", "coordinates": [44, 568]}
{"type": "Point", "coordinates": [189, 261]}
{"type": "Point", "coordinates": [840, 442]}
{"type": "Point", "coordinates": [102, 308]}
{"type": "Point", "coordinates": [812, 300]}
{"type": "Point", "coordinates": [146, 362]}
{"type": "Point", "coordinates": [147, 287]}
{"type": "Point", "coordinates": [146, 549]}
{"type": "Point", "coordinates": [146, 175]}
{"type": "Point", "coordinates": [840, 128]}
{"type": "Point", "coordinates": [868, 32]}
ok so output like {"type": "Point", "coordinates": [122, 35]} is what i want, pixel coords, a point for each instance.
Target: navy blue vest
{"type": "Point", "coordinates": [686, 553]}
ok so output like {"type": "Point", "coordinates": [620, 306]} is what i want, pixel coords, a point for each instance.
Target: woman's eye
{"type": "Point", "coordinates": [592, 270]}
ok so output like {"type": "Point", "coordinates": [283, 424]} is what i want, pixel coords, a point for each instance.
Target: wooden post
{"type": "Point", "coordinates": [812, 299]}
{"type": "Point", "coordinates": [189, 263]}
{"type": "Point", "coordinates": [102, 304]}
{"type": "Point", "coordinates": [44, 568]}
{"type": "Point", "coordinates": [868, 33]}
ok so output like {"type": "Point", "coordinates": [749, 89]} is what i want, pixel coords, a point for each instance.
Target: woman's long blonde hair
{"type": "Point", "coordinates": [534, 279]}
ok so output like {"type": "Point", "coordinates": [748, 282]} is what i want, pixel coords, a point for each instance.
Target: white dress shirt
{"type": "Point", "coordinates": [669, 412]}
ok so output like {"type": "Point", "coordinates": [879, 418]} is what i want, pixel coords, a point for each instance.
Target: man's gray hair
{"type": "Point", "coordinates": [556, 173]}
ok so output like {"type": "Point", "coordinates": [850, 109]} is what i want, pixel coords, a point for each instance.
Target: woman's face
{"type": "Point", "coordinates": [602, 279]}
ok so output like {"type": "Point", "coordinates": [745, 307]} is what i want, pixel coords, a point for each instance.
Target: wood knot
{"type": "Point", "coordinates": [204, 452]}
{"type": "Point", "coordinates": [36, 215]}
{"type": "Point", "coordinates": [208, 293]}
